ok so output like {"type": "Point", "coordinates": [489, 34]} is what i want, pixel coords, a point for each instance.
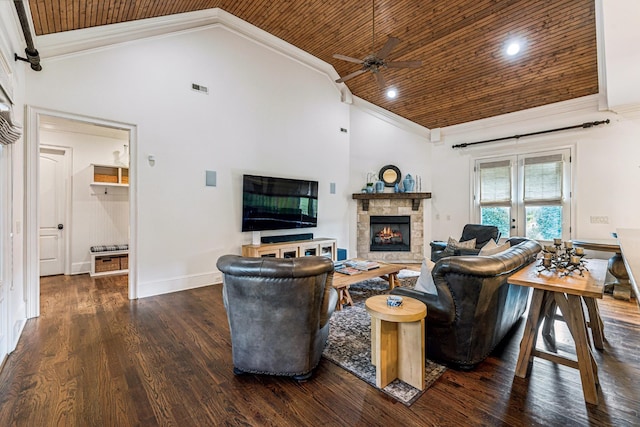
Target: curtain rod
{"type": "Point", "coordinates": [33, 57]}
{"type": "Point", "coordinates": [583, 126]}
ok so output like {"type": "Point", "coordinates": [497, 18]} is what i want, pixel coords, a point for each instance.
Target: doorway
{"type": "Point", "coordinates": [50, 132]}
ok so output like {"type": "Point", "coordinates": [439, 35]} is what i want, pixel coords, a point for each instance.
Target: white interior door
{"type": "Point", "coordinates": [52, 211]}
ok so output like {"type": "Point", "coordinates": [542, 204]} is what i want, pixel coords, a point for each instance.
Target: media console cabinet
{"type": "Point", "coordinates": [313, 247]}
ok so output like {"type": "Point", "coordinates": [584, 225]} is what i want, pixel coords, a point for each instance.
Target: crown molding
{"type": "Point", "coordinates": [71, 43]}
{"type": "Point", "coordinates": [391, 118]}
{"type": "Point", "coordinates": [53, 46]}
{"type": "Point", "coordinates": [586, 107]}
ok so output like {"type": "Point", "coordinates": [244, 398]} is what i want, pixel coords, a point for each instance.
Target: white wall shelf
{"type": "Point", "coordinates": [110, 176]}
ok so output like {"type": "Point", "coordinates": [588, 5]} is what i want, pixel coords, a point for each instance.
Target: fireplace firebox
{"type": "Point", "coordinates": [390, 233]}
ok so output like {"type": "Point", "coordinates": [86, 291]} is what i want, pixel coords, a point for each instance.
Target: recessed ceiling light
{"type": "Point", "coordinates": [392, 93]}
{"type": "Point", "coordinates": [513, 48]}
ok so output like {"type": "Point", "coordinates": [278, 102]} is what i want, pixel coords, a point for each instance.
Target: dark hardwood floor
{"type": "Point", "coordinates": [94, 358]}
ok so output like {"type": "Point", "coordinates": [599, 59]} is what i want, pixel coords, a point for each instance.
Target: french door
{"type": "Point", "coordinates": [527, 195]}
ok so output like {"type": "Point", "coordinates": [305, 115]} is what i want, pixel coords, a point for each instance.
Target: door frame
{"type": "Point", "coordinates": [32, 206]}
{"type": "Point", "coordinates": [68, 200]}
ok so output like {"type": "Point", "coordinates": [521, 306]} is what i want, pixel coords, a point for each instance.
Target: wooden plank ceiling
{"type": "Point", "coordinates": [464, 75]}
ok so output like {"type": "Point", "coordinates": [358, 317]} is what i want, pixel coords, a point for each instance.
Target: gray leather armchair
{"type": "Point", "coordinates": [475, 306]}
{"type": "Point", "coordinates": [278, 311]}
{"type": "Point", "coordinates": [482, 234]}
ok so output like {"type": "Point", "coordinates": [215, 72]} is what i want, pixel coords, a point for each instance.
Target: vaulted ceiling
{"type": "Point", "coordinates": [465, 74]}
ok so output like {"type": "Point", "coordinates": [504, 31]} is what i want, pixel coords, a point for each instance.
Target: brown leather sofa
{"type": "Point", "coordinates": [278, 311]}
{"type": "Point", "coordinates": [475, 307]}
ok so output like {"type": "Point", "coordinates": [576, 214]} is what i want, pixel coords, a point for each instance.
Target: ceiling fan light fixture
{"type": "Point", "coordinates": [376, 61]}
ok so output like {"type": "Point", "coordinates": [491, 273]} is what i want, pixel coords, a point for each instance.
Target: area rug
{"type": "Point", "coordinates": [349, 344]}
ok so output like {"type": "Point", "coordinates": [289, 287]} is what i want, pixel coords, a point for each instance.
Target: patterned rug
{"type": "Point", "coordinates": [349, 344]}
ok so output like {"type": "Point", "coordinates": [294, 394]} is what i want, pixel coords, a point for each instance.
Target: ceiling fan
{"type": "Point", "coordinates": [375, 62]}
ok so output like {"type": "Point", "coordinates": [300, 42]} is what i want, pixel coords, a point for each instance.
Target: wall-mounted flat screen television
{"type": "Point", "coordinates": [270, 203]}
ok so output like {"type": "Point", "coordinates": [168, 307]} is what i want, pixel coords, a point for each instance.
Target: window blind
{"type": "Point", "coordinates": [543, 178]}
{"type": "Point", "coordinates": [495, 183]}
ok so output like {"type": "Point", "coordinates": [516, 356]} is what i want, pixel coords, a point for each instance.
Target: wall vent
{"type": "Point", "coordinates": [199, 88]}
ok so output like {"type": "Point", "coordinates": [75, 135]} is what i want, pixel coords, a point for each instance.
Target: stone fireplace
{"type": "Point", "coordinates": [402, 214]}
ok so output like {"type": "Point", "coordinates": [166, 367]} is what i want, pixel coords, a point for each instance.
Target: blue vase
{"type": "Point", "coordinates": [408, 183]}
{"type": "Point", "coordinates": [369, 188]}
{"type": "Point", "coordinates": [380, 187]}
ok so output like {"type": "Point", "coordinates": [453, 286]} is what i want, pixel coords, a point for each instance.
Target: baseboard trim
{"type": "Point", "coordinates": [182, 283]}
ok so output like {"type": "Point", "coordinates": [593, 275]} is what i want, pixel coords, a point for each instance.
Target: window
{"type": "Point", "coordinates": [525, 195]}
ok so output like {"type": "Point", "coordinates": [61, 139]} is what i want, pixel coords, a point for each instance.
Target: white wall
{"type": "Point", "coordinates": [376, 143]}
{"type": "Point", "coordinates": [12, 211]}
{"type": "Point", "coordinates": [621, 37]}
{"type": "Point", "coordinates": [265, 114]}
{"type": "Point", "coordinates": [96, 218]}
{"type": "Point", "coordinates": [606, 167]}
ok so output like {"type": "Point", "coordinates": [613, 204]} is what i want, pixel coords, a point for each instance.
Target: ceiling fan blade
{"type": "Point", "coordinates": [380, 79]}
{"type": "Point", "coordinates": [404, 64]}
{"type": "Point", "coordinates": [348, 58]}
{"type": "Point", "coordinates": [388, 47]}
{"type": "Point", "coordinates": [350, 76]}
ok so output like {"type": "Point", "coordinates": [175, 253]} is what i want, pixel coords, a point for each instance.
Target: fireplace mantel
{"type": "Point", "coordinates": [415, 198]}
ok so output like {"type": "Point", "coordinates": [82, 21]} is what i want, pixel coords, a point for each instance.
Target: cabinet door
{"type": "Point", "coordinates": [268, 253]}
{"type": "Point", "coordinates": [289, 252]}
{"type": "Point", "coordinates": [328, 249]}
{"type": "Point", "coordinates": [310, 249]}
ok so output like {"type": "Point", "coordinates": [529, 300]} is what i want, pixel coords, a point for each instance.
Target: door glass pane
{"type": "Point", "coordinates": [498, 216]}
{"type": "Point", "coordinates": [543, 222]}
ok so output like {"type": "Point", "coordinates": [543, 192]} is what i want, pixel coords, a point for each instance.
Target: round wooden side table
{"type": "Point", "coordinates": [397, 340]}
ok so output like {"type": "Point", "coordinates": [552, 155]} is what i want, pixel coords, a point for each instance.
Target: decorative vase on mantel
{"type": "Point", "coordinates": [380, 186]}
{"type": "Point", "coordinates": [408, 183]}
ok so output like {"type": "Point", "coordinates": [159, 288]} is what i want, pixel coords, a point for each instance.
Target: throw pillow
{"type": "Point", "coordinates": [453, 244]}
{"type": "Point", "coordinates": [492, 248]}
{"type": "Point", "coordinates": [425, 281]}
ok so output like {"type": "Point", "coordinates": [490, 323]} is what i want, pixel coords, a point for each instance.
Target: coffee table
{"type": "Point", "coordinates": [397, 340]}
{"type": "Point", "coordinates": [342, 282]}
{"type": "Point", "coordinates": [567, 292]}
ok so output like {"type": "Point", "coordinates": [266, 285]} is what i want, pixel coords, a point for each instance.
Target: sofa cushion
{"type": "Point", "coordinates": [425, 280]}
{"type": "Point", "coordinates": [453, 244]}
{"type": "Point", "coordinates": [492, 248]}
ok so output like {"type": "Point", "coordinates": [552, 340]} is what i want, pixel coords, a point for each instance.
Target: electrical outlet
{"type": "Point", "coordinates": [599, 220]}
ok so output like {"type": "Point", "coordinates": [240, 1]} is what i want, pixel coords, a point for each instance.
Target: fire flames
{"type": "Point", "coordinates": [388, 236]}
